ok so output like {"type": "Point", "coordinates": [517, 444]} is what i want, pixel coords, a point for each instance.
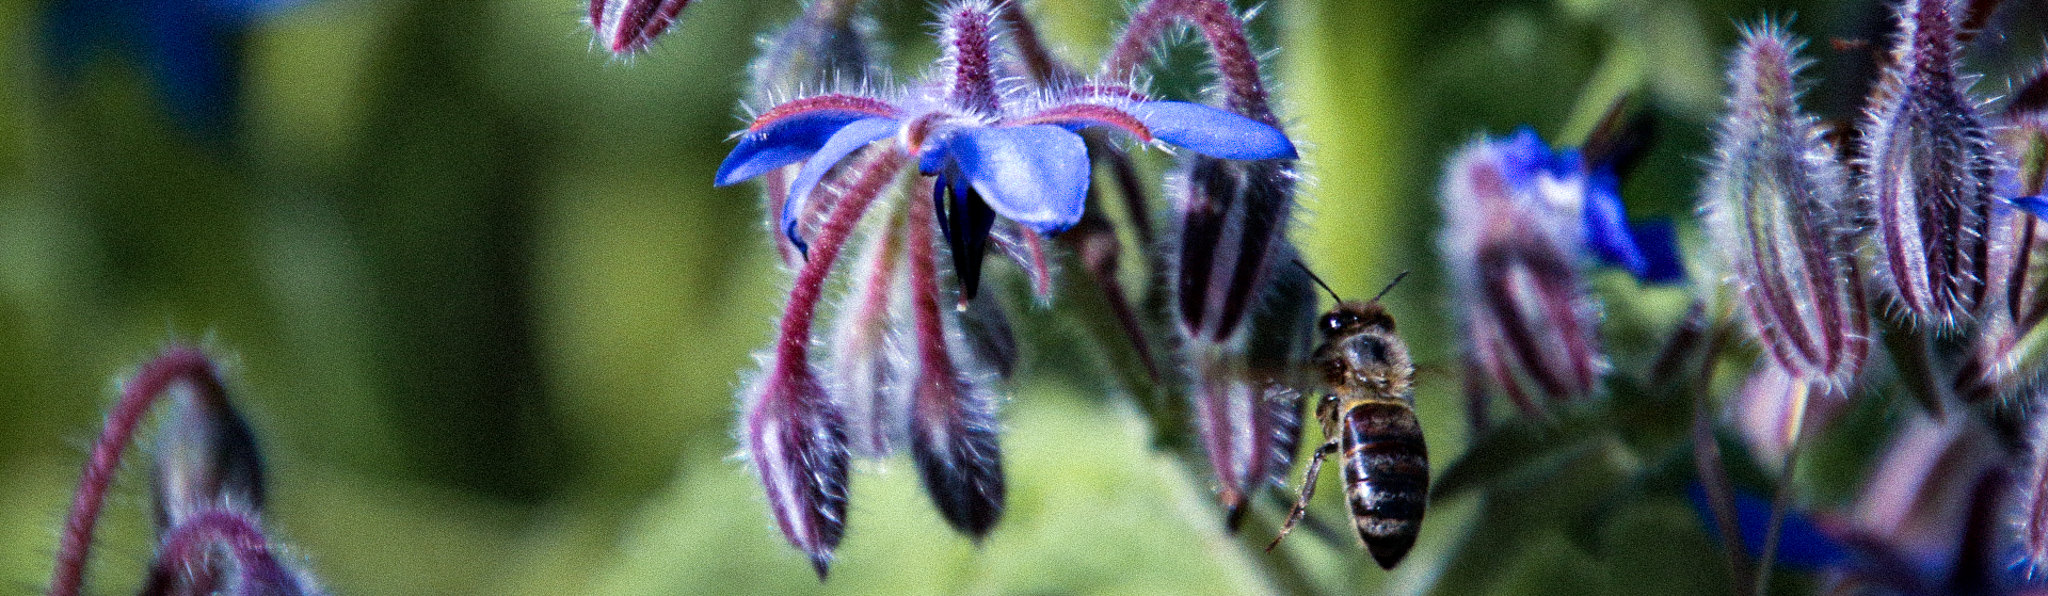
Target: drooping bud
{"type": "Point", "coordinates": [1234, 217]}
{"type": "Point", "coordinates": [207, 483]}
{"type": "Point", "coordinates": [1776, 205]}
{"type": "Point", "coordinates": [206, 457]}
{"type": "Point", "coordinates": [1930, 172]}
{"type": "Point", "coordinates": [793, 432]}
{"type": "Point", "coordinates": [1249, 425]}
{"type": "Point", "coordinates": [871, 368]}
{"type": "Point", "coordinates": [1247, 394]}
{"type": "Point", "coordinates": [629, 26]}
{"type": "Point", "coordinates": [797, 441]}
{"type": "Point", "coordinates": [1516, 256]}
{"type": "Point", "coordinates": [952, 421]}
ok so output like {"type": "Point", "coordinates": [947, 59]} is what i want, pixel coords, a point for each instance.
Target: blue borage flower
{"type": "Point", "coordinates": [1647, 250]}
{"type": "Point", "coordinates": [1028, 163]}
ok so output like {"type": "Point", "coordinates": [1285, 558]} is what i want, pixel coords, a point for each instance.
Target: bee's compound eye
{"type": "Point", "coordinates": [1335, 322]}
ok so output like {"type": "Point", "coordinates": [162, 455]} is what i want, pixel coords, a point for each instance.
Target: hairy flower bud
{"type": "Point", "coordinates": [1516, 256]}
{"type": "Point", "coordinates": [1775, 204]}
{"type": "Point", "coordinates": [1930, 172]}
{"type": "Point", "coordinates": [2032, 496]}
{"type": "Point", "coordinates": [629, 26]}
{"type": "Point", "coordinates": [1233, 219]}
{"type": "Point", "coordinates": [1249, 424]}
{"type": "Point", "coordinates": [952, 422]}
{"type": "Point", "coordinates": [871, 368]}
{"type": "Point", "coordinates": [206, 457]}
{"type": "Point", "coordinates": [798, 444]}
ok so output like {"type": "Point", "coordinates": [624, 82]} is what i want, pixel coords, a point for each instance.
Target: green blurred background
{"type": "Point", "coordinates": [487, 313]}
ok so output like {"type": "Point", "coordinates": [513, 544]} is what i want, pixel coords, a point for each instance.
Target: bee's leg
{"type": "Point", "coordinates": [1308, 491]}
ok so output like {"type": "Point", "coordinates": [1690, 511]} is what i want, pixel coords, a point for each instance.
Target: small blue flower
{"type": "Point", "coordinates": [1030, 166]}
{"type": "Point", "coordinates": [1648, 250]}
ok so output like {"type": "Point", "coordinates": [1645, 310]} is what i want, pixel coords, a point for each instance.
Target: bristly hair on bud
{"type": "Point", "coordinates": [1930, 172]}
{"type": "Point", "coordinates": [625, 27]}
{"type": "Point", "coordinates": [1776, 204]}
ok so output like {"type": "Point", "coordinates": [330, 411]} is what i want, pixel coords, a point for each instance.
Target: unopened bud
{"type": "Point", "coordinates": [1930, 172]}
{"type": "Point", "coordinates": [1775, 204]}
{"type": "Point", "coordinates": [1234, 215]}
{"type": "Point", "coordinates": [797, 441]}
{"type": "Point", "coordinates": [206, 457]}
{"type": "Point", "coordinates": [629, 26]}
{"type": "Point", "coordinates": [1517, 258]}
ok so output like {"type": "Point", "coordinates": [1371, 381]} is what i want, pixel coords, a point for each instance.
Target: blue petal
{"type": "Point", "coordinates": [848, 139]}
{"type": "Point", "coordinates": [781, 143]}
{"type": "Point", "coordinates": [1213, 132]}
{"type": "Point", "coordinates": [1606, 226]}
{"type": "Point", "coordinates": [1801, 543]}
{"type": "Point", "coordinates": [1657, 241]}
{"type": "Point", "coordinates": [2036, 205]}
{"type": "Point", "coordinates": [1035, 175]}
{"type": "Point", "coordinates": [933, 161]}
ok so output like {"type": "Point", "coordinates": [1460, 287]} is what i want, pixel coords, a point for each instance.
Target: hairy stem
{"type": "Point", "coordinates": [176, 364]}
{"type": "Point", "coordinates": [1783, 499]}
{"type": "Point", "coordinates": [1243, 91]}
{"type": "Point", "coordinates": [793, 345]}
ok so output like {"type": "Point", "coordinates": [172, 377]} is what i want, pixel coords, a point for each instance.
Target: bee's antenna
{"type": "Point", "coordinates": [1319, 281]}
{"type": "Point", "coordinates": [1390, 286]}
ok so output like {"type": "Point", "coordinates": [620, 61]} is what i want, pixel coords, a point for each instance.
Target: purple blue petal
{"type": "Point", "coordinates": [1034, 175]}
{"type": "Point", "coordinates": [844, 142]}
{"type": "Point", "coordinates": [1657, 241]}
{"type": "Point", "coordinates": [1213, 132]}
{"type": "Point", "coordinates": [1606, 225]}
{"type": "Point", "coordinates": [2036, 205]}
{"type": "Point", "coordinates": [784, 142]}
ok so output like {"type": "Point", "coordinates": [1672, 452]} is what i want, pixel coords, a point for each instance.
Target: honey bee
{"type": "Point", "coordinates": [1368, 414]}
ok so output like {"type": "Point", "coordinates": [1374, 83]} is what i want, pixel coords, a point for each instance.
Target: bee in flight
{"type": "Point", "coordinates": [1368, 414]}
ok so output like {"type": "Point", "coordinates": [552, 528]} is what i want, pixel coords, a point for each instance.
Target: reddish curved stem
{"type": "Point", "coordinates": [1243, 91]}
{"type": "Point", "coordinates": [793, 347]}
{"type": "Point", "coordinates": [177, 363]}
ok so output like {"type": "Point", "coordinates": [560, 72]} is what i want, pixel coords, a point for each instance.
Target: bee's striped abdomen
{"type": "Point", "coordinates": [1386, 476]}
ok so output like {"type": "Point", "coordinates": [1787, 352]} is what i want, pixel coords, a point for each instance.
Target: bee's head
{"type": "Point", "coordinates": [1353, 317]}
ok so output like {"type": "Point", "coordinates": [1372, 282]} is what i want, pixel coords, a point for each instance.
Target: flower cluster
{"type": "Point", "coordinates": [995, 149]}
{"type": "Point", "coordinates": [1941, 198]}
{"type": "Point", "coordinates": [207, 489]}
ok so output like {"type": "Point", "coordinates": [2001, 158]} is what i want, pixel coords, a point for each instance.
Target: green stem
{"type": "Point", "coordinates": [1782, 500]}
